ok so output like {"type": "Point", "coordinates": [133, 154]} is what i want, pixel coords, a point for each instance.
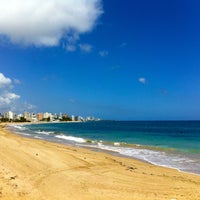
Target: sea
{"type": "Point", "coordinates": [172, 144]}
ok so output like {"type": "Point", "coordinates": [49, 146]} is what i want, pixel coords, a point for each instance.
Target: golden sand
{"type": "Point", "coordinates": [34, 169]}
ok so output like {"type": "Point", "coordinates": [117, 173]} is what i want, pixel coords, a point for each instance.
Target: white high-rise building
{"type": "Point", "coordinates": [34, 117]}
{"type": "Point", "coordinates": [55, 116]}
{"type": "Point", "coordinates": [47, 115]}
{"type": "Point", "coordinates": [20, 116]}
{"type": "Point", "coordinates": [73, 118]}
{"type": "Point", "coordinates": [27, 115]}
{"type": "Point", "coordinates": [60, 116]}
{"type": "Point", "coordinates": [9, 115]}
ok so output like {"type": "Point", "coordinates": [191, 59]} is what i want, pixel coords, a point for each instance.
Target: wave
{"type": "Point", "coordinates": [20, 127]}
{"type": "Point", "coordinates": [25, 134]}
{"type": "Point", "coordinates": [71, 138]}
{"type": "Point", "coordinates": [45, 132]}
{"type": "Point", "coordinates": [38, 137]}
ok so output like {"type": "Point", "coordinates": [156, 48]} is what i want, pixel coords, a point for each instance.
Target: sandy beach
{"type": "Point", "coordinates": [34, 169]}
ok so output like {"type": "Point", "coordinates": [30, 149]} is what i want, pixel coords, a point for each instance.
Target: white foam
{"type": "Point", "coordinates": [19, 127]}
{"type": "Point", "coordinates": [71, 138]}
{"type": "Point", "coordinates": [20, 133]}
{"type": "Point", "coordinates": [160, 158]}
{"type": "Point", "coordinates": [45, 132]}
{"type": "Point", "coordinates": [100, 144]}
{"type": "Point", "coordinates": [37, 137]}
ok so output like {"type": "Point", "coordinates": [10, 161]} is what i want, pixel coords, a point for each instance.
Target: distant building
{"type": "Point", "coordinates": [33, 117]}
{"type": "Point", "coordinates": [9, 115]}
{"type": "Point", "coordinates": [40, 116]}
{"type": "Point", "coordinates": [19, 116]}
{"type": "Point", "coordinates": [55, 116]}
{"type": "Point", "coordinates": [47, 115]}
{"type": "Point", "coordinates": [65, 115]}
{"type": "Point", "coordinates": [60, 116]}
{"type": "Point", "coordinates": [27, 116]}
{"type": "Point", "coordinates": [76, 118]}
{"type": "Point", "coordinates": [73, 118]}
{"type": "Point", "coordinates": [90, 118]}
{"type": "Point", "coordinates": [80, 119]}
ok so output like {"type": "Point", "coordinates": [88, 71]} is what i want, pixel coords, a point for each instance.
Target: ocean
{"type": "Point", "coordinates": [173, 144]}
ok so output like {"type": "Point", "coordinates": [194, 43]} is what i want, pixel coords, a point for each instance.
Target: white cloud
{"type": "Point", "coordinates": [85, 48]}
{"type": "Point", "coordinates": [28, 106]}
{"type": "Point", "coordinates": [20, 107]}
{"type": "Point", "coordinates": [4, 81]}
{"type": "Point", "coordinates": [45, 23]}
{"type": "Point", "coordinates": [7, 97]}
{"type": "Point", "coordinates": [11, 96]}
{"type": "Point", "coordinates": [71, 48]}
{"type": "Point", "coordinates": [16, 81]}
{"type": "Point", "coordinates": [142, 80]}
{"type": "Point", "coordinates": [103, 53]}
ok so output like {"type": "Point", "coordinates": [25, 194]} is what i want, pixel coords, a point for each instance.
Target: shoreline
{"type": "Point", "coordinates": [29, 168]}
{"type": "Point", "coordinates": [111, 148]}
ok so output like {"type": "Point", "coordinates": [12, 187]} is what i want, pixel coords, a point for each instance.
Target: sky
{"type": "Point", "coordinates": [123, 60]}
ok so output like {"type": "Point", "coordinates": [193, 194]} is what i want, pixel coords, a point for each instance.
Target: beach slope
{"type": "Point", "coordinates": [35, 169]}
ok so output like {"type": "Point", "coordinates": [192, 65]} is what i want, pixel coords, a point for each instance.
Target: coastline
{"type": "Point", "coordinates": [37, 169]}
{"type": "Point", "coordinates": [179, 158]}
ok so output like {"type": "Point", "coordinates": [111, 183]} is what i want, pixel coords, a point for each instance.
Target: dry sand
{"type": "Point", "coordinates": [34, 169]}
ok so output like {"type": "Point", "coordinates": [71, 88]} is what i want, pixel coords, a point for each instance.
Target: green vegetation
{"type": "Point", "coordinates": [22, 119]}
{"type": "Point", "coordinates": [46, 119]}
{"type": "Point", "coordinates": [66, 119]}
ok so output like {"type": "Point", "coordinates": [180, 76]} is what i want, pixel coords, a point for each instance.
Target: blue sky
{"type": "Point", "coordinates": [134, 60]}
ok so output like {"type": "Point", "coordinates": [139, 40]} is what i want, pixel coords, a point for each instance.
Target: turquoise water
{"type": "Point", "coordinates": [174, 144]}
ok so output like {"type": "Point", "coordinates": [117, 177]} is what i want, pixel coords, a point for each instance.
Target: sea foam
{"type": "Point", "coordinates": [161, 158]}
{"type": "Point", "coordinates": [19, 127]}
{"type": "Point", "coordinates": [71, 138]}
{"type": "Point", "coordinates": [45, 132]}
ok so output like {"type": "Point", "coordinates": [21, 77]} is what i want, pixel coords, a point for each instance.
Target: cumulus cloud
{"type": "Point", "coordinates": [85, 48]}
{"type": "Point", "coordinates": [103, 53]}
{"type": "Point", "coordinates": [142, 80]}
{"type": "Point", "coordinates": [45, 23]}
{"type": "Point", "coordinates": [9, 100]}
{"type": "Point", "coordinates": [4, 81]}
{"type": "Point", "coordinates": [7, 97]}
